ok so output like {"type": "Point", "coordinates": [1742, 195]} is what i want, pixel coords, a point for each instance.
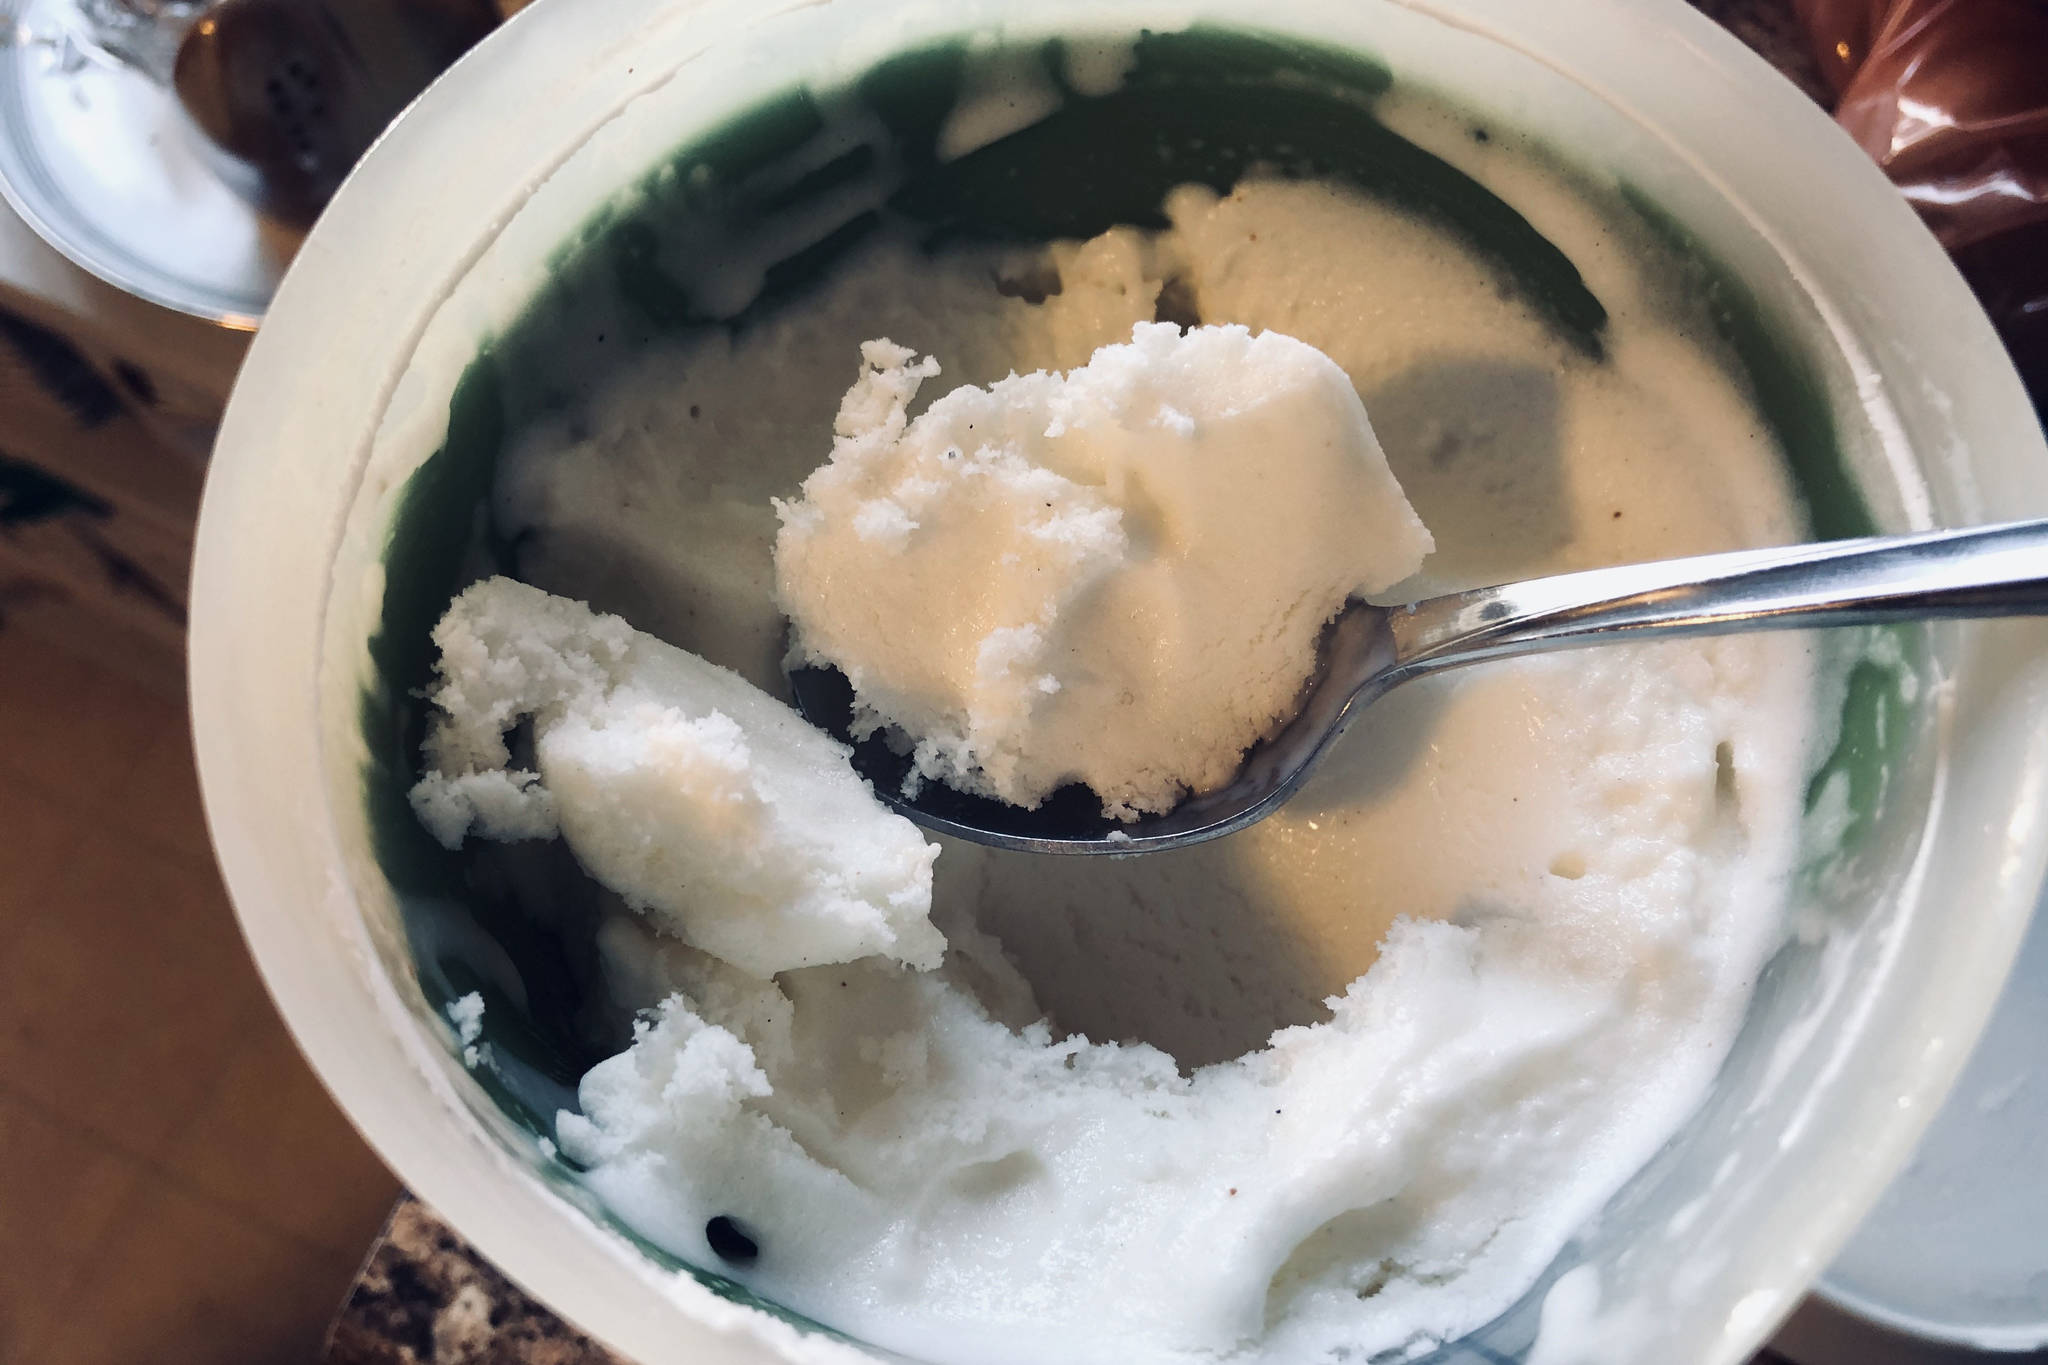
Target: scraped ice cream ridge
{"type": "Point", "coordinates": [1342, 1083]}
{"type": "Point", "coordinates": [1113, 577]}
{"type": "Point", "coordinates": [677, 784]}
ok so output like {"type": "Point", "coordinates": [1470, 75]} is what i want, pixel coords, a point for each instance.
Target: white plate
{"type": "Point", "coordinates": [1956, 1252]}
{"type": "Point", "coordinates": [102, 162]}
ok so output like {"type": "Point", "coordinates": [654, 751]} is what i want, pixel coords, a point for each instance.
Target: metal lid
{"type": "Point", "coordinates": [103, 163]}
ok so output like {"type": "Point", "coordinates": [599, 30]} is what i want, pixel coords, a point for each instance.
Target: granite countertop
{"type": "Point", "coordinates": [425, 1297]}
{"type": "Point", "coordinates": [1773, 32]}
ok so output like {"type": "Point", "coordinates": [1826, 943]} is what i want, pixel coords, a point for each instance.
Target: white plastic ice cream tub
{"type": "Point", "coordinates": [451, 224]}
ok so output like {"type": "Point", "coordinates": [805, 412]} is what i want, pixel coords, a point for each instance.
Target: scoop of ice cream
{"type": "Point", "coordinates": [1115, 576]}
{"type": "Point", "coordinates": [678, 784]}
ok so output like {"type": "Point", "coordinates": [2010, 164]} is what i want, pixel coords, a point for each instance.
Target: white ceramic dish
{"type": "Point", "coordinates": [1956, 1252]}
{"type": "Point", "coordinates": [103, 163]}
{"type": "Point", "coordinates": [448, 227]}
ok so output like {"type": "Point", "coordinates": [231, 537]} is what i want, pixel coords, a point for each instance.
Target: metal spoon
{"type": "Point", "coordinates": [1368, 650]}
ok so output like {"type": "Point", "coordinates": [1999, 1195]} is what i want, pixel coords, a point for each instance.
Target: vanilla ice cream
{"type": "Point", "coordinates": [1343, 1083]}
{"type": "Point", "coordinates": [1114, 576]}
{"type": "Point", "coordinates": [677, 784]}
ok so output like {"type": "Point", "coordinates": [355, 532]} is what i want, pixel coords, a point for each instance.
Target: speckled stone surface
{"type": "Point", "coordinates": [426, 1298]}
{"type": "Point", "coordinates": [1771, 29]}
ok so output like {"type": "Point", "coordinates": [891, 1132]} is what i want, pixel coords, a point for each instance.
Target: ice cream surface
{"type": "Point", "coordinates": [1114, 576]}
{"type": "Point", "coordinates": [677, 784]}
{"type": "Point", "coordinates": [1340, 1084]}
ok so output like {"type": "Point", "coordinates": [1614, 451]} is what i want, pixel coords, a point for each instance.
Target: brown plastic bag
{"type": "Point", "coordinates": [1950, 97]}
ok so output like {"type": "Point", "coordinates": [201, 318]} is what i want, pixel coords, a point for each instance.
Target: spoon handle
{"type": "Point", "coordinates": [1982, 571]}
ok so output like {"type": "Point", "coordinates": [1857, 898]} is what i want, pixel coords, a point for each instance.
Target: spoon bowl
{"type": "Point", "coordinates": [1368, 650]}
